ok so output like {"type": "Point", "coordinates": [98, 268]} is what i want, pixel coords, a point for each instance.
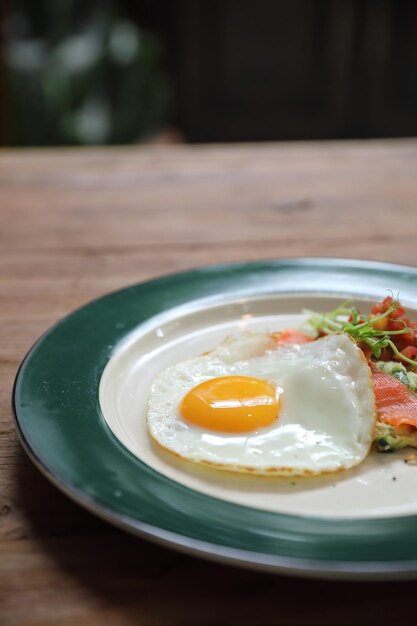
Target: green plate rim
{"type": "Point", "coordinates": [101, 476]}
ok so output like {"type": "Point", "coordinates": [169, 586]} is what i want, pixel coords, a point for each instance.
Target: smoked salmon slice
{"type": "Point", "coordinates": [396, 404]}
{"type": "Point", "coordinates": [291, 336]}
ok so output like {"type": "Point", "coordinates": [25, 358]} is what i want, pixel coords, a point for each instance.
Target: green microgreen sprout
{"type": "Point", "coordinates": [347, 319]}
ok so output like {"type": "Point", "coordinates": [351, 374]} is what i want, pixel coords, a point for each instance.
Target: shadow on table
{"type": "Point", "coordinates": [144, 583]}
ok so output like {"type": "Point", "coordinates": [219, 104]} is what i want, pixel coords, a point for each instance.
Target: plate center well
{"type": "Point", "coordinates": [382, 486]}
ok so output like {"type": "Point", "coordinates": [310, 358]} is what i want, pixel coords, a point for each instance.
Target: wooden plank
{"type": "Point", "coordinates": [76, 224]}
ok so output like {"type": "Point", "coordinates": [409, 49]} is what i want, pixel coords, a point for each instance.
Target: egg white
{"type": "Point", "coordinates": [326, 419]}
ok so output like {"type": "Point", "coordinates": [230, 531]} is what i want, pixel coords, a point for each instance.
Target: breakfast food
{"type": "Point", "coordinates": [388, 339]}
{"type": "Point", "coordinates": [254, 405]}
{"type": "Point", "coordinates": [298, 402]}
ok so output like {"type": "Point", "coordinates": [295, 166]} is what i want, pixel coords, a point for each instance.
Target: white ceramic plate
{"type": "Point", "coordinates": [80, 402]}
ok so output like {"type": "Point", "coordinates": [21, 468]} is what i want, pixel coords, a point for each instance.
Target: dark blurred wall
{"type": "Point", "coordinates": [217, 70]}
{"type": "Point", "coordinates": [294, 70]}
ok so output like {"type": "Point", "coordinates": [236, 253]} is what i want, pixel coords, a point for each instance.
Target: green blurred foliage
{"type": "Point", "coordinates": [77, 75]}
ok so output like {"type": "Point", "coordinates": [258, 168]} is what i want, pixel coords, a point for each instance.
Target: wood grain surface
{"type": "Point", "coordinates": [76, 224]}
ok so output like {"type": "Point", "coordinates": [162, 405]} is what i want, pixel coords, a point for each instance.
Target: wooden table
{"type": "Point", "coordinates": [76, 224]}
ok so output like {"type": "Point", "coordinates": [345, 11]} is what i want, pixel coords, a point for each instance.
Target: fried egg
{"type": "Point", "coordinates": [255, 407]}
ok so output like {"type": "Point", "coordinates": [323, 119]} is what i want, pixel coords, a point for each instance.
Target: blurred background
{"type": "Point", "coordinates": [76, 72]}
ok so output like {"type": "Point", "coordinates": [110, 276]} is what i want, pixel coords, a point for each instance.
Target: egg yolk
{"type": "Point", "coordinates": [234, 404]}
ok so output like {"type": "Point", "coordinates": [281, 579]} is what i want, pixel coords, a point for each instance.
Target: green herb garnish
{"type": "Point", "coordinates": [347, 319]}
